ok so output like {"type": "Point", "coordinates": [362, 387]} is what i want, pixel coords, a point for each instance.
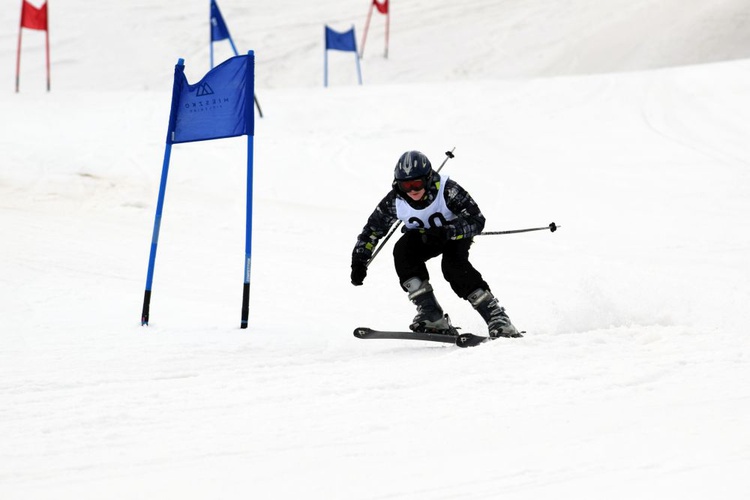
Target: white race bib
{"type": "Point", "coordinates": [436, 214]}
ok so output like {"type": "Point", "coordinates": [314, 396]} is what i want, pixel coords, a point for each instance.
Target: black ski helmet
{"type": "Point", "coordinates": [413, 165]}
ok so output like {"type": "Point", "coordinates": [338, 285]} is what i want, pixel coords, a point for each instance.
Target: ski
{"type": "Point", "coordinates": [460, 339]}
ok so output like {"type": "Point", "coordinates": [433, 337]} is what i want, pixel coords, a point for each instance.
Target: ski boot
{"type": "Point", "coordinates": [430, 317]}
{"type": "Point", "coordinates": [498, 322]}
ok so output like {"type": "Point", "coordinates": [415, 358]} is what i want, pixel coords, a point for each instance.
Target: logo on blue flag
{"type": "Point", "coordinates": [218, 106]}
{"type": "Point", "coordinates": [340, 41]}
{"type": "Point", "coordinates": [219, 29]}
{"type": "Point", "coordinates": [204, 89]}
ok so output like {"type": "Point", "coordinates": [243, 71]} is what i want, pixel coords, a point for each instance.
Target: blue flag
{"type": "Point", "coordinates": [219, 30]}
{"type": "Point", "coordinates": [218, 106]}
{"type": "Point", "coordinates": [340, 41]}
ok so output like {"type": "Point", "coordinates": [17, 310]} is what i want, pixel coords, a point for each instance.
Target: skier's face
{"type": "Point", "coordinates": [415, 188]}
{"type": "Point", "coordinates": [416, 195]}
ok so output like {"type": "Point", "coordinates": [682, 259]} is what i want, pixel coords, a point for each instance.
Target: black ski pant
{"type": "Point", "coordinates": [410, 254]}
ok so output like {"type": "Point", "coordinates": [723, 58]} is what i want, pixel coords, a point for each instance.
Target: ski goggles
{"type": "Point", "coordinates": [412, 184]}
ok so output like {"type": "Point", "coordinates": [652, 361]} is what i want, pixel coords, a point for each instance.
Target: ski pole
{"type": "Point", "coordinates": [448, 156]}
{"type": "Point", "coordinates": [552, 227]}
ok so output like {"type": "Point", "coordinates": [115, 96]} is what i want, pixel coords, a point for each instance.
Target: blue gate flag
{"type": "Point", "coordinates": [218, 106]}
{"type": "Point", "coordinates": [219, 30]}
{"type": "Point", "coordinates": [340, 41]}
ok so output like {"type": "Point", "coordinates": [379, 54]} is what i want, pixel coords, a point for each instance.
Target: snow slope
{"type": "Point", "coordinates": [630, 382]}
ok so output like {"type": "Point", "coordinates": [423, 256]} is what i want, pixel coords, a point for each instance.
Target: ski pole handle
{"type": "Point", "coordinates": [552, 228]}
{"type": "Point", "coordinates": [448, 156]}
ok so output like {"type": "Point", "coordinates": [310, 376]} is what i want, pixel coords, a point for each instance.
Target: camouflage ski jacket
{"type": "Point", "coordinates": [468, 221]}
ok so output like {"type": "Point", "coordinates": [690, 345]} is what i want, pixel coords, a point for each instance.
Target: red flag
{"type": "Point", "coordinates": [382, 8]}
{"type": "Point", "coordinates": [33, 18]}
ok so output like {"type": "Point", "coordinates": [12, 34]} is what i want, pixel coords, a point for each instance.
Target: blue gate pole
{"type": "Point", "coordinates": [176, 87]}
{"type": "Point", "coordinates": [250, 121]}
{"type": "Point", "coordinates": [356, 58]}
{"type": "Point", "coordinates": [155, 235]}
{"type": "Point", "coordinates": [359, 71]}
{"type": "Point", "coordinates": [231, 43]}
{"type": "Point", "coordinates": [248, 234]}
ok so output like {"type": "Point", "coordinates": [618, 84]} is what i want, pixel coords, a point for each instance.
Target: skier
{"type": "Point", "coordinates": [440, 218]}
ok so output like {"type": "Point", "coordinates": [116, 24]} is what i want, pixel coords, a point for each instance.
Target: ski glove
{"type": "Point", "coordinates": [359, 272]}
